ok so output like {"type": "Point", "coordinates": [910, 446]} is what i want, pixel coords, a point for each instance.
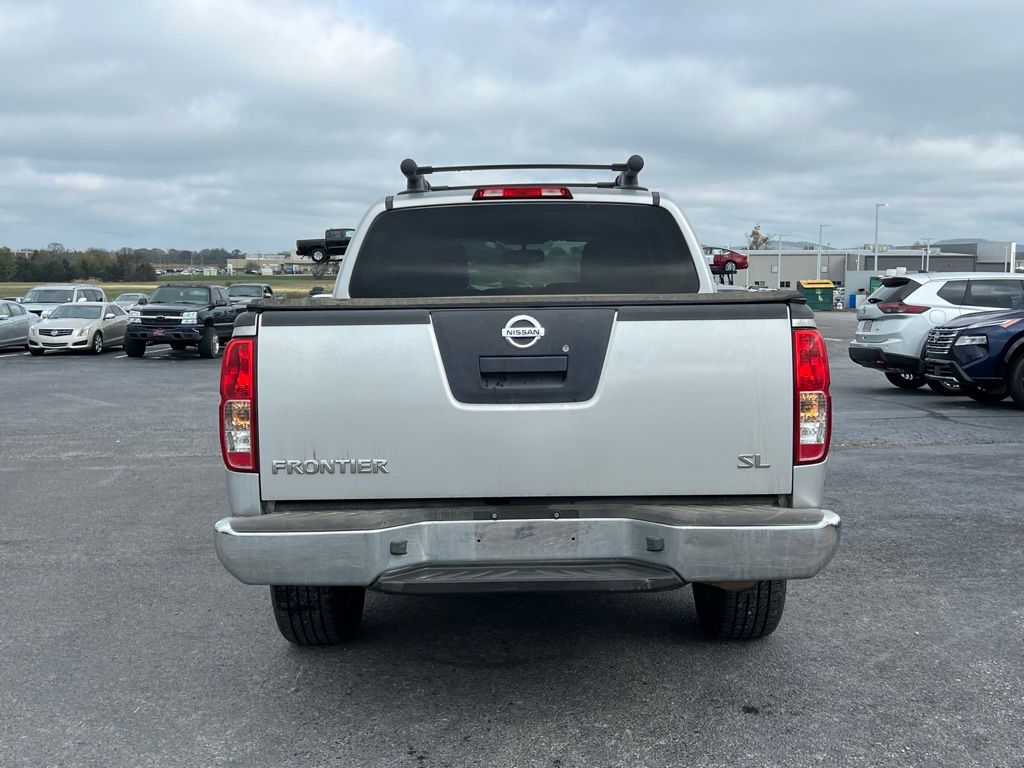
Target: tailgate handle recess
{"type": "Point", "coordinates": [523, 371]}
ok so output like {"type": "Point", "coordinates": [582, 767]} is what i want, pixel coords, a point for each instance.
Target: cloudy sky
{"type": "Point", "coordinates": [204, 123]}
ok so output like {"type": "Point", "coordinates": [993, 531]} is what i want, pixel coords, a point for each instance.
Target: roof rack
{"type": "Point", "coordinates": [628, 171]}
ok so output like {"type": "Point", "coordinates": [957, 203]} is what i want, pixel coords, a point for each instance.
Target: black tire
{"type": "Point", "coordinates": [745, 615]}
{"type": "Point", "coordinates": [729, 267]}
{"type": "Point", "coordinates": [96, 345]}
{"type": "Point", "coordinates": [982, 395]}
{"type": "Point", "coordinates": [318, 256]}
{"type": "Point", "coordinates": [134, 347]}
{"type": "Point", "coordinates": [36, 351]}
{"type": "Point", "coordinates": [1015, 380]}
{"type": "Point", "coordinates": [944, 387]}
{"type": "Point", "coordinates": [318, 615]}
{"type": "Point", "coordinates": [178, 345]}
{"type": "Point", "coordinates": [209, 345]}
{"type": "Point", "coordinates": [906, 380]}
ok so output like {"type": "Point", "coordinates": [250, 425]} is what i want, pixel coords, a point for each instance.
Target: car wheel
{"type": "Point", "coordinates": [740, 615]}
{"type": "Point", "coordinates": [36, 351]}
{"type": "Point", "coordinates": [318, 615]}
{"type": "Point", "coordinates": [906, 380]}
{"type": "Point", "coordinates": [96, 347]}
{"type": "Point", "coordinates": [209, 345]}
{"type": "Point", "coordinates": [318, 256]}
{"type": "Point", "coordinates": [1015, 382]}
{"type": "Point", "coordinates": [134, 347]}
{"type": "Point", "coordinates": [944, 387]}
{"type": "Point", "coordinates": [178, 345]}
{"type": "Point", "coordinates": [983, 395]}
{"type": "Point", "coordinates": [730, 266]}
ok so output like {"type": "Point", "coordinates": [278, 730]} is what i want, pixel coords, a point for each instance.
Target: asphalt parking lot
{"type": "Point", "coordinates": [126, 644]}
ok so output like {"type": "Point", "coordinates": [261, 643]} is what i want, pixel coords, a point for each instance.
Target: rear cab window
{"type": "Point", "coordinates": [531, 249]}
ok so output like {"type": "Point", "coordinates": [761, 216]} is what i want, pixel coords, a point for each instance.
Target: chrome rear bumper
{"type": "Point", "coordinates": [566, 553]}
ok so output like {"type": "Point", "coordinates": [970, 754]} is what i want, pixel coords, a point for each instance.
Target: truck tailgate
{"type": "Point", "coordinates": [610, 401]}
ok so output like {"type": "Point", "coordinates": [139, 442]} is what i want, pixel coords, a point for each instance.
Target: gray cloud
{"type": "Point", "coordinates": [204, 123]}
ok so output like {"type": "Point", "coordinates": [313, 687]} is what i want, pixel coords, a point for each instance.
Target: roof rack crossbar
{"type": "Point", "coordinates": [628, 171]}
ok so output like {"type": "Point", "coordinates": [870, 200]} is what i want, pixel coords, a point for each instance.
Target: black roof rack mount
{"type": "Point", "coordinates": [628, 171]}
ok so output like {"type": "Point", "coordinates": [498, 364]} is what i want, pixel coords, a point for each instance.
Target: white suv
{"type": "Point", "coordinates": [894, 322]}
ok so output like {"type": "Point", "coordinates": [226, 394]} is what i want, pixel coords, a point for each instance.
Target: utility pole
{"type": "Point", "coordinates": [877, 207]}
{"type": "Point", "coordinates": [817, 276]}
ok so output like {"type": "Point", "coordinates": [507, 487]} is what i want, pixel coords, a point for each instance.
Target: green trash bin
{"type": "Point", "coordinates": [818, 294]}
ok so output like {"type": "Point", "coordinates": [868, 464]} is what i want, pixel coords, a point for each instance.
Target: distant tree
{"type": "Point", "coordinates": [756, 240]}
{"type": "Point", "coordinates": [55, 250]}
{"type": "Point", "coordinates": [320, 270]}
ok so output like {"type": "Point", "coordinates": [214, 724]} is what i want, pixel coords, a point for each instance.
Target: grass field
{"type": "Point", "coordinates": [286, 286]}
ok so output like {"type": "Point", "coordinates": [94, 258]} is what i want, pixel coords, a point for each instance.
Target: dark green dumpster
{"type": "Point", "coordinates": [818, 294]}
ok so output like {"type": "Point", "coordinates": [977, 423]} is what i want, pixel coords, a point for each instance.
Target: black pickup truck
{"type": "Point", "coordinates": [182, 315]}
{"type": "Point", "coordinates": [333, 243]}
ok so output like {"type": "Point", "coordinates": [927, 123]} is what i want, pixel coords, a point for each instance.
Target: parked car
{"type": "Point", "coordinates": [895, 320]}
{"type": "Point", "coordinates": [11, 298]}
{"type": "Point", "coordinates": [333, 243]}
{"type": "Point", "coordinates": [15, 323]}
{"type": "Point", "coordinates": [85, 325]}
{"type": "Point", "coordinates": [128, 300]}
{"type": "Point", "coordinates": [243, 293]}
{"type": "Point", "coordinates": [724, 261]}
{"type": "Point", "coordinates": [182, 315]}
{"type": "Point", "coordinates": [519, 415]}
{"type": "Point", "coordinates": [981, 353]}
{"type": "Point", "coordinates": [44, 298]}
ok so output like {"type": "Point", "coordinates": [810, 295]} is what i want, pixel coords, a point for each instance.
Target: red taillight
{"type": "Point", "coordinates": [899, 308]}
{"type": "Point", "coordinates": [813, 403]}
{"type": "Point", "coordinates": [238, 405]}
{"type": "Point", "coordinates": [515, 193]}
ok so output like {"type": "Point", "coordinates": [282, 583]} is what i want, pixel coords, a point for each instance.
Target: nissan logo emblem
{"type": "Point", "coordinates": [522, 331]}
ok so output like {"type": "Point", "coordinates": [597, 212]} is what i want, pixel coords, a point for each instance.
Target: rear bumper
{"type": "Point", "coordinates": [880, 360]}
{"type": "Point", "coordinates": [733, 544]}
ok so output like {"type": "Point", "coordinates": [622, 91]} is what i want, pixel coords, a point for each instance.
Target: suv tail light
{"type": "Point", "coordinates": [813, 403]}
{"type": "Point", "coordinates": [505, 193]}
{"type": "Point", "coordinates": [238, 405]}
{"type": "Point", "coordinates": [899, 308]}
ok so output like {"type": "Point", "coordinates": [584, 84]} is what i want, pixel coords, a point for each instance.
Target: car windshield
{"type": "Point", "coordinates": [126, 298]}
{"type": "Point", "coordinates": [68, 311]}
{"type": "Point", "coordinates": [245, 290]}
{"type": "Point", "coordinates": [48, 296]}
{"type": "Point", "coordinates": [523, 249]}
{"type": "Point", "coordinates": [173, 294]}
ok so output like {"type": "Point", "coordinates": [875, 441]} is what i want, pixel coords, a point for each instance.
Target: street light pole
{"type": "Point", "coordinates": [927, 257]}
{"type": "Point", "coordinates": [817, 276]}
{"type": "Point", "coordinates": [780, 262]}
{"type": "Point", "coordinates": [877, 207]}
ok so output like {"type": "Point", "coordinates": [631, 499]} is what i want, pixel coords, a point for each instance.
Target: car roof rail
{"type": "Point", "coordinates": [628, 172]}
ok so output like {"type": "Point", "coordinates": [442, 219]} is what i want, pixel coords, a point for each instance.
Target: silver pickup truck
{"type": "Point", "coordinates": [525, 388]}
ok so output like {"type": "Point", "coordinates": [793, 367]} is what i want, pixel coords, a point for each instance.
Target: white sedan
{"type": "Point", "coordinates": [85, 325]}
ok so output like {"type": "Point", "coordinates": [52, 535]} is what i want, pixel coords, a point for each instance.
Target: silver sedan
{"type": "Point", "coordinates": [84, 325]}
{"type": "Point", "coordinates": [15, 322]}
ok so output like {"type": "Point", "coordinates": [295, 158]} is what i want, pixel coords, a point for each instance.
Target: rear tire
{"type": "Point", "coordinates": [944, 388]}
{"type": "Point", "coordinates": [745, 615]}
{"type": "Point", "coordinates": [318, 256]}
{"type": "Point", "coordinates": [906, 380]}
{"type": "Point", "coordinates": [982, 395]}
{"type": "Point", "coordinates": [1015, 381]}
{"type": "Point", "coordinates": [313, 616]}
{"type": "Point", "coordinates": [209, 345]}
{"type": "Point", "coordinates": [134, 347]}
{"type": "Point", "coordinates": [729, 267]}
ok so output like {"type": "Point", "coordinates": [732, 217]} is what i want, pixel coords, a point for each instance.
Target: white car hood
{"type": "Point", "coordinates": [70, 322]}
